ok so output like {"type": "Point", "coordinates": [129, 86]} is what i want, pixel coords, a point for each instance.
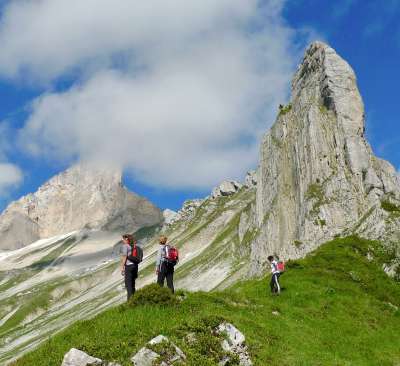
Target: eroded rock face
{"type": "Point", "coordinates": [82, 196]}
{"type": "Point", "coordinates": [318, 176]}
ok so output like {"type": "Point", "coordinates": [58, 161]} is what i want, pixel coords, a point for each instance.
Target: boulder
{"type": "Point", "coordinates": [226, 188]}
{"type": "Point", "coordinates": [146, 356]}
{"type": "Point", "coordinates": [234, 343]}
{"type": "Point", "coordinates": [75, 357]}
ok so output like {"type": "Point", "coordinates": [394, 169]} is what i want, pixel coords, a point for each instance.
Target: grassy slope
{"type": "Point", "coordinates": [338, 309]}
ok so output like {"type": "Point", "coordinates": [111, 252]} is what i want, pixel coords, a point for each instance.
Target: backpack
{"type": "Point", "coordinates": [171, 254]}
{"type": "Point", "coordinates": [280, 266]}
{"type": "Point", "coordinates": [136, 255]}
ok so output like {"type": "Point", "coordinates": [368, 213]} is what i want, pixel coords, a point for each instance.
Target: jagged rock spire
{"type": "Point", "coordinates": [317, 176]}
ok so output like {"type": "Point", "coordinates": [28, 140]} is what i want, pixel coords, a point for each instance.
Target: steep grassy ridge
{"type": "Point", "coordinates": [61, 280]}
{"type": "Point", "coordinates": [338, 308]}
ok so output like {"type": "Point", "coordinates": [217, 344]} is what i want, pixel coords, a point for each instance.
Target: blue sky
{"type": "Point", "coordinates": [155, 119]}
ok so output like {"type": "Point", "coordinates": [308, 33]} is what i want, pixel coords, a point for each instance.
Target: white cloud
{"type": "Point", "coordinates": [195, 85]}
{"type": "Point", "coordinates": [10, 174]}
{"type": "Point", "coordinates": [45, 38]}
{"type": "Point", "coordinates": [10, 177]}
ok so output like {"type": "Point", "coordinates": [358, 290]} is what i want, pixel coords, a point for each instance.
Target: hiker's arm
{"type": "Point", "coordinates": [158, 261]}
{"type": "Point", "coordinates": [123, 260]}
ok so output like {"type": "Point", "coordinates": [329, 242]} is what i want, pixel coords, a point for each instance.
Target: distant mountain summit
{"type": "Point", "coordinates": [80, 197]}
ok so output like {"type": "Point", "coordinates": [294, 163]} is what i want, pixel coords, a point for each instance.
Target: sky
{"type": "Point", "coordinates": [176, 93]}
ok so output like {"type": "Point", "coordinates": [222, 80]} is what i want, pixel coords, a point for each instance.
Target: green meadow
{"type": "Point", "coordinates": [337, 307]}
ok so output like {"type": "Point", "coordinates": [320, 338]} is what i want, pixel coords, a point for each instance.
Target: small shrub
{"type": "Point", "coordinates": [323, 109]}
{"type": "Point", "coordinates": [315, 192]}
{"type": "Point", "coordinates": [390, 207]}
{"type": "Point", "coordinates": [320, 222]}
{"type": "Point", "coordinates": [206, 349]}
{"type": "Point", "coordinates": [166, 351]}
{"type": "Point", "coordinates": [285, 109]}
{"type": "Point", "coordinates": [276, 141]}
{"type": "Point", "coordinates": [297, 243]}
{"type": "Point", "coordinates": [153, 295]}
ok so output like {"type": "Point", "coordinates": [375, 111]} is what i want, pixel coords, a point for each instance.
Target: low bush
{"type": "Point", "coordinates": [390, 207]}
{"type": "Point", "coordinates": [153, 295]}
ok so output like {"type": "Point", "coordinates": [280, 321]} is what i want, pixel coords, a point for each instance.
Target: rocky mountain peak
{"type": "Point", "coordinates": [82, 196]}
{"type": "Point", "coordinates": [325, 78]}
{"type": "Point", "coordinates": [318, 176]}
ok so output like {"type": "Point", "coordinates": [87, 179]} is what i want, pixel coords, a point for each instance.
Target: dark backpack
{"type": "Point", "coordinates": [171, 254]}
{"type": "Point", "coordinates": [136, 255]}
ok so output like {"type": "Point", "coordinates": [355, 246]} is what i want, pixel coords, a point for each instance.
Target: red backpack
{"type": "Point", "coordinates": [280, 266]}
{"type": "Point", "coordinates": [171, 254]}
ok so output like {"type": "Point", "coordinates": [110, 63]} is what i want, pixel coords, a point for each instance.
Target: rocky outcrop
{"type": "Point", "coordinates": [186, 213]}
{"type": "Point", "coordinates": [161, 351]}
{"type": "Point", "coordinates": [169, 216]}
{"type": "Point", "coordinates": [251, 179]}
{"type": "Point", "coordinates": [82, 196]}
{"type": "Point", "coordinates": [226, 188]}
{"type": "Point", "coordinates": [234, 343]}
{"type": "Point", "coordinates": [147, 356]}
{"type": "Point", "coordinates": [318, 176]}
{"type": "Point", "coordinates": [76, 357]}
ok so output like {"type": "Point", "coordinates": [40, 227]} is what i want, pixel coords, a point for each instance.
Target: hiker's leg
{"type": "Point", "coordinates": [128, 281]}
{"type": "Point", "coordinates": [272, 284]}
{"type": "Point", "coordinates": [161, 275]}
{"type": "Point", "coordinates": [278, 287]}
{"type": "Point", "coordinates": [170, 278]}
{"type": "Point", "coordinates": [134, 276]}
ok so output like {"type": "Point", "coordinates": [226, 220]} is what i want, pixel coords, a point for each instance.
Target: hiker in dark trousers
{"type": "Point", "coordinates": [131, 255]}
{"type": "Point", "coordinates": [164, 269]}
{"type": "Point", "coordinates": [275, 286]}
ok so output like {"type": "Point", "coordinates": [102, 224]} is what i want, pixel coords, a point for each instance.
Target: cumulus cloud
{"type": "Point", "coordinates": [45, 38]}
{"type": "Point", "coordinates": [10, 174]}
{"type": "Point", "coordinates": [10, 177]}
{"type": "Point", "coordinates": [178, 93]}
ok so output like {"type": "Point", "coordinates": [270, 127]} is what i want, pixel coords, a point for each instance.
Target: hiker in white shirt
{"type": "Point", "coordinates": [275, 274]}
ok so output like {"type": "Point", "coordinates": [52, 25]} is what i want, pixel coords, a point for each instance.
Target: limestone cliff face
{"type": "Point", "coordinates": [318, 176]}
{"type": "Point", "coordinates": [82, 196]}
